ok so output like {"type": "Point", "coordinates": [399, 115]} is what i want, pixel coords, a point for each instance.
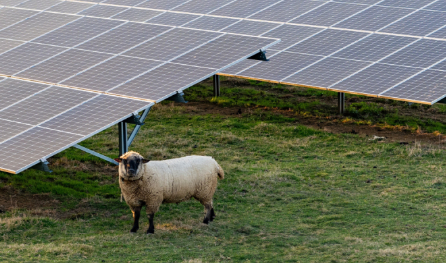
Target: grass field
{"type": "Point", "coordinates": [290, 193]}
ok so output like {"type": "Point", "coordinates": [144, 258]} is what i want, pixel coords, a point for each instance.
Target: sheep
{"type": "Point", "coordinates": [150, 183]}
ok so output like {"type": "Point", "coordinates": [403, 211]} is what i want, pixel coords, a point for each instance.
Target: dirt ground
{"type": "Point", "coordinates": [11, 199]}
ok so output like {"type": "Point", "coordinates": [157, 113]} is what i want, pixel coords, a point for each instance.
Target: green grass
{"type": "Point", "coordinates": [290, 194]}
{"type": "Point", "coordinates": [320, 103]}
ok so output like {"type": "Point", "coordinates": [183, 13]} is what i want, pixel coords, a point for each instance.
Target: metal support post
{"type": "Point", "coordinates": [341, 103]}
{"type": "Point", "coordinates": [43, 166]}
{"type": "Point", "coordinates": [123, 146]}
{"type": "Point", "coordinates": [217, 86]}
{"type": "Point", "coordinates": [179, 97]}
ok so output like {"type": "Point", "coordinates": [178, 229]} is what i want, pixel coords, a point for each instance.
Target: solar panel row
{"type": "Point", "coordinates": [380, 34]}
{"type": "Point", "coordinates": [76, 75]}
{"type": "Point", "coordinates": [365, 47]}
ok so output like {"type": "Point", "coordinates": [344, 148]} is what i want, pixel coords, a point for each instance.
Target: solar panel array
{"type": "Point", "coordinates": [69, 71]}
{"type": "Point", "coordinates": [384, 48]}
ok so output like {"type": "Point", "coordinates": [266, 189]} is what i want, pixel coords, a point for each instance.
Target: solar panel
{"type": "Point", "coordinates": [375, 79]}
{"type": "Point", "coordinates": [10, 129]}
{"type": "Point", "coordinates": [25, 56]}
{"type": "Point", "coordinates": [366, 2]}
{"type": "Point", "coordinates": [374, 18]}
{"type": "Point", "coordinates": [286, 10]}
{"type": "Point", "coordinates": [327, 42]}
{"type": "Point", "coordinates": [10, 2]}
{"type": "Point", "coordinates": [420, 23]}
{"type": "Point", "coordinates": [253, 28]}
{"type": "Point", "coordinates": [440, 66]}
{"type": "Point", "coordinates": [69, 7]}
{"type": "Point", "coordinates": [439, 5]}
{"type": "Point", "coordinates": [245, 64]}
{"type": "Point", "coordinates": [375, 47]}
{"type": "Point", "coordinates": [328, 14]}
{"type": "Point", "coordinates": [10, 16]}
{"type": "Point", "coordinates": [102, 11]}
{"type": "Point", "coordinates": [45, 105]}
{"type": "Point", "coordinates": [440, 33]}
{"type": "Point", "coordinates": [6, 45]}
{"type": "Point", "coordinates": [162, 4]}
{"type": "Point", "coordinates": [280, 66]}
{"type": "Point", "coordinates": [14, 91]}
{"type": "Point", "coordinates": [137, 15]}
{"type": "Point", "coordinates": [173, 19]}
{"type": "Point", "coordinates": [242, 9]}
{"type": "Point", "coordinates": [26, 149]}
{"type": "Point", "coordinates": [422, 53]}
{"type": "Point", "coordinates": [221, 52]}
{"type": "Point", "coordinates": [94, 1]}
{"type": "Point", "coordinates": [111, 73]}
{"type": "Point", "coordinates": [172, 44]}
{"type": "Point", "coordinates": [158, 84]}
{"type": "Point", "coordinates": [326, 72]}
{"type": "Point", "coordinates": [123, 38]}
{"type": "Point", "coordinates": [428, 86]}
{"type": "Point", "coordinates": [95, 115]}
{"type": "Point", "coordinates": [39, 4]}
{"type": "Point", "coordinates": [123, 2]}
{"type": "Point", "coordinates": [78, 32]}
{"type": "Point", "coordinates": [64, 66]}
{"type": "Point", "coordinates": [211, 23]}
{"type": "Point", "coordinates": [406, 3]}
{"type": "Point", "coordinates": [35, 26]}
{"type": "Point", "coordinates": [291, 35]}
{"type": "Point", "coordinates": [202, 6]}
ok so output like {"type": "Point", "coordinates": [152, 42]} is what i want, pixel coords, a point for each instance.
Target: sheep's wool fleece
{"type": "Point", "coordinates": [173, 181]}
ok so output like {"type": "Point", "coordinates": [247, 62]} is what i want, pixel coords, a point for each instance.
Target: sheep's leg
{"type": "Point", "coordinates": [136, 215]}
{"type": "Point", "coordinates": [151, 229]}
{"type": "Point", "coordinates": [208, 216]}
{"type": "Point", "coordinates": [212, 214]}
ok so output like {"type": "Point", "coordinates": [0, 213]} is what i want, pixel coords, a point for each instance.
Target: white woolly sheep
{"type": "Point", "coordinates": [150, 183]}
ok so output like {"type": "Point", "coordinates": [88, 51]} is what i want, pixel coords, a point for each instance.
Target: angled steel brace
{"type": "Point", "coordinates": [43, 166]}
{"type": "Point", "coordinates": [137, 127]}
{"type": "Point", "coordinates": [95, 154]}
{"type": "Point", "coordinates": [260, 56]}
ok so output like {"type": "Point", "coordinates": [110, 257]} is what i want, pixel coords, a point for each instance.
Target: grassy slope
{"type": "Point", "coordinates": [291, 194]}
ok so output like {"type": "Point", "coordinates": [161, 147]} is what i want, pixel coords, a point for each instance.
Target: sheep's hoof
{"type": "Point", "coordinates": [206, 221]}
{"type": "Point", "coordinates": [133, 231]}
{"type": "Point", "coordinates": [150, 232]}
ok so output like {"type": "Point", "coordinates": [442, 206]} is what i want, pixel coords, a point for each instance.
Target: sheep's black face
{"type": "Point", "coordinates": [131, 165]}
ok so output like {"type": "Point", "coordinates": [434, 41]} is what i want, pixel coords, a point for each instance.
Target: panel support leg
{"type": "Point", "coordinates": [341, 103]}
{"type": "Point", "coordinates": [123, 146]}
{"type": "Point", "coordinates": [217, 86]}
{"type": "Point", "coordinates": [43, 166]}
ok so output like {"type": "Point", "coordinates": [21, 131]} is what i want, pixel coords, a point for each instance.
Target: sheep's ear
{"type": "Point", "coordinates": [145, 160]}
{"type": "Point", "coordinates": [118, 160]}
